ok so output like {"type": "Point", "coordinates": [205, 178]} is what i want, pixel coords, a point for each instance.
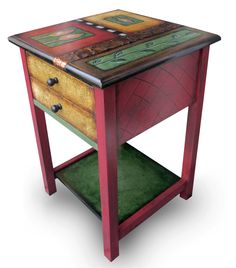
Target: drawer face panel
{"type": "Point", "coordinates": [73, 114]}
{"type": "Point", "coordinates": [68, 86]}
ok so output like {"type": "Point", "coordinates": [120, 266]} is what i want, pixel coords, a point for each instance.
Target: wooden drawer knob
{"type": "Point", "coordinates": [56, 107]}
{"type": "Point", "coordinates": [52, 81]}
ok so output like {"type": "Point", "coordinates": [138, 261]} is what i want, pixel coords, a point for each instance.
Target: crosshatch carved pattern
{"type": "Point", "coordinates": [150, 97]}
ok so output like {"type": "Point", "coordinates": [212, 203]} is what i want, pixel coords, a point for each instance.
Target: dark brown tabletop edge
{"type": "Point", "coordinates": [105, 82]}
{"type": "Point", "coordinates": [69, 69]}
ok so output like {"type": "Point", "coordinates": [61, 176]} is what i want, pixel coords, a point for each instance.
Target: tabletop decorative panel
{"type": "Point", "coordinates": [100, 49]}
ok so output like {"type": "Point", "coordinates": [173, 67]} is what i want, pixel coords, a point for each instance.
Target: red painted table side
{"type": "Point", "coordinates": [150, 97]}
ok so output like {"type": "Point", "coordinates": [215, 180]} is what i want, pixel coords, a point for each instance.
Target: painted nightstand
{"type": "Point", "coordinates": [108, 78]}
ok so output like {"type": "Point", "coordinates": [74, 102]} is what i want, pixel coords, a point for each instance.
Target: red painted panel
{"type": "Point", "coordinates": [98, 35]}
{"type": "Point", "coordinates": [107, 165]}
{"type": "Point", "coordinates": [73, 160]}
{"type": "Point", "coordinates": [152, 96]}
{"type": "Point", "coordinates": [41, 135]}
{"type": "Point", "coordinates": [150, 208]}
{"type": "Point", "coordinates": [193, 127]}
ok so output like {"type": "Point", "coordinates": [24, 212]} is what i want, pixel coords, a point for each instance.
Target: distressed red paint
{"type": "Point", "coordinates": [152, 96]}
{"type": "Point", "coordinates": [107, 161]}
{"type": "Point", "coordinates": [98, 36]}
{"type": "Point", "coordinates": [193, 126]}
{"type": "Point", "coordinates": [41, 135]}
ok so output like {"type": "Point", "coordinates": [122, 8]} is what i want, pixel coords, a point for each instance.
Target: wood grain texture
{"type": "Point", "coordinates": [76, 116]}
{"type": "Point", "coordinates": [152, 96]}
{"type": "Point", "coordinates": [68, 86]}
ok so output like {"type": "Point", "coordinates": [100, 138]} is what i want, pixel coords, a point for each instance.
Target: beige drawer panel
{"type": "Point", "coordinates": [76, 116]}
{"type": "Point", "coordinates": [68, 86]}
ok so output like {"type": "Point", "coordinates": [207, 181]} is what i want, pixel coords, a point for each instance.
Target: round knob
{"type": "Point", "coordinates": [56, 107]}
{"type": "Point", "coordinates": [52, 81]}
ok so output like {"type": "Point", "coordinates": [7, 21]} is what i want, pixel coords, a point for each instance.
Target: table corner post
{"type": "Point", "coordinates": [193, 126]}
{"type": "Point", "coordinates": [41, 134]}
{"type": "Point", "coordinates": [107, 160]}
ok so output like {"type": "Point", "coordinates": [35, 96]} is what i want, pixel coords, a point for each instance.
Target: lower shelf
{"type": "Point", "coordinates": [140, 180]}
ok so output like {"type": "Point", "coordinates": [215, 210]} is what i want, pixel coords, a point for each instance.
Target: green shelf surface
{"type": "Point", "coordinates": [140, 179]}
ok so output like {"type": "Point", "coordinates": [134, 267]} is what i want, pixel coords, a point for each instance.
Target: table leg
{"type": "Point", "coordinates": [193, 126]}
{"type": "Point", "coordinates": [107, 160]}
{"type": "Point", "coordinates": [41, 134]}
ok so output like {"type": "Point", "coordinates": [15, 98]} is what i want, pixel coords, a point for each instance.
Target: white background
{"type": "Point", "coordinates": [59, 231]}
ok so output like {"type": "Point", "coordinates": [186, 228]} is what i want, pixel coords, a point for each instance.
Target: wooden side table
{"type": "Point", "coordinates": [108, 78]}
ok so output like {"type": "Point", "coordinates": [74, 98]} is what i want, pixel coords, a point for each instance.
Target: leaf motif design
{"type": "Point", "coordinates": [61, 32]}
{"type": "Point", "coordinates": [118, 60]}
{"type": "Point", "coordinates": [147, 51]}
{"type": "Point", "coordinates": [141, 50]}
{"type": "Point", "coordinates": [150, 44]}
{"type": "Point", "coordinates": [96, 61]}
{"type": "Point", "coordinates": [118, 54]}
{"type": "Point", "coordinates": [70, 36]}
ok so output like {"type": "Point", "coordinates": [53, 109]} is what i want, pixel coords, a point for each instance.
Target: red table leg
{"type": "Point", "coordinates": [41, 134]}
{"type": "Point", "coordinates": [107, 160]}
{"type": "Point", "coordinates": [193, 126]}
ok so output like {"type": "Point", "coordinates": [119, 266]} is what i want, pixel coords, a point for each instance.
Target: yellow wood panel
{"type": "Point", "coordinates": [73, 114]}
{"type": "Point", "coordinates": [142, 23]}
{"type": "Point", "coordinates": [68, 86]}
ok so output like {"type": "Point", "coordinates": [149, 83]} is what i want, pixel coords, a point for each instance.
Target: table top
{"type": "Point", "coordinates": [108, 47]}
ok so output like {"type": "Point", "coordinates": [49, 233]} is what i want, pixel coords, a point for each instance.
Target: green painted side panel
{"type": "Point", "coordinates": [66, 124]}
{"type": "Point", "coordinates": [60, 37]}
{"type": "Point", "coordinates": [145, 49]}
{"type": "Point", "coordinates": [140, 179]}
{"type": "Point", "coordinates": [123, 20]}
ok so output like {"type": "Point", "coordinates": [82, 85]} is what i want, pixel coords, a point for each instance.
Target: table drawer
{"type": "Point", "coordinates": [70, 112]}
{"type": "Point", "coordinates": [68, 86]}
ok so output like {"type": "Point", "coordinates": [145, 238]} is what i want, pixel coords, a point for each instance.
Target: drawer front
{"type": "Point", "coordinates": [68, 86]}
{"type": "Point", "coordinates": [73, 114]}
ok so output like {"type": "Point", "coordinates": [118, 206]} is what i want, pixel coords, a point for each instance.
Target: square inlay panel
{"type": "Point", "coordinates": [62, 36]}
{"type": "Point", "coordinates": [124, 21]}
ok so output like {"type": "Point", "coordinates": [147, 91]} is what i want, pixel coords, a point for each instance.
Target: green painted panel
{"type": "Point", "coordinates": [140, 179]}
{"type": "Point", "coordinates": [66, 124]}
{"type": "Point", "coordinates": [123, 20]}
{"type": "Point", "coordinates": [142, 50]}
{"type": "Point", "coordinates": [62, 36]}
